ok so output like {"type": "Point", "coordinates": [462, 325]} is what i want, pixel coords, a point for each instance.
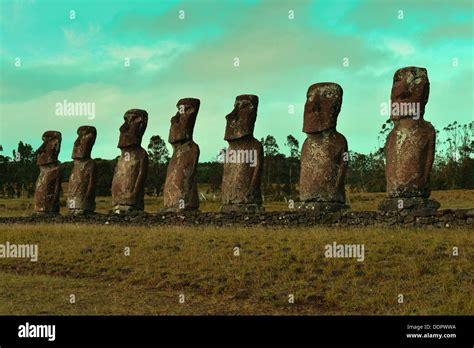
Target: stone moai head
{"type": "Point", "coordinates": [48, 152]}
{"type": "Point", "coordinates": [182, 124]}
{"type": "Point", "coordinates": [323, 103]}
{"type": "Point", "coordinates": [85, 141]}
{"type": "Point", "coordinates": [241, 121]}
{"type": "Point", "coordinates": [131, 132]}
{"type": "Point", "coordinates": [410, 85]}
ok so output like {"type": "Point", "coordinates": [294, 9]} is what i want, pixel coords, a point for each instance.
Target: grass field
{"type": "Point", "coordinates": [199, 263]}
{"type": "Point", "coordinates": [357, 201]}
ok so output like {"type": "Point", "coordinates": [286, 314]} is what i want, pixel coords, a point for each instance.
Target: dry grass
{"type": "Point", "coordinates": [89, 261]}
{"type": "Point", "coordinates": [357, 201]}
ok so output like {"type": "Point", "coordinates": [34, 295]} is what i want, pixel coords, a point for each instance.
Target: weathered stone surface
{"type": "Point", "coordinates": [410, 146]}
{"type": "Point", "coordinates": [48, 184]}
{"type": "Point", "coordinates": [324, 154]}
{"type": "Point", "coordinates": [82, 182]}
{"type": "Point", "coordinates": [283, 219]}
{"type": "Point", "coordinates": [322, 206]}
{"type": "Point", "coordinates": [180, 191]}
{"type": "Point", "coordinates": [243, 160]}
{"type": "Point", "coordinates": [409, 152]}
{"type": "Point", "coordinates": [410, 92]}
{"type": "Point", "coordinates": [412, 203]}
{"type": "Point", "coordinates": [242, 208]}
{"type": "Point", "coordinates": [323, 104]}
{"type": "Point", "coordinates": [128, 184]}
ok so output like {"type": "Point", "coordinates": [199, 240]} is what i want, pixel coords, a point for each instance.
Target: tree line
{"type": "Point", "coordinates": [453, 167]}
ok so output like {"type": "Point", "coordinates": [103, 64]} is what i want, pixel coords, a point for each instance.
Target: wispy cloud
{"type": "Point", "coordinates": [77, 38]}
{"type": "Point", "coordinates": [150, 58]}
{"type": "Point", "coordinates": [399, 47]}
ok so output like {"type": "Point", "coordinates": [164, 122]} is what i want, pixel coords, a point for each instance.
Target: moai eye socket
{"type": "Point", "coordinates": [316, 107]}
{"type": "Point", "coordinates": [404, 95]}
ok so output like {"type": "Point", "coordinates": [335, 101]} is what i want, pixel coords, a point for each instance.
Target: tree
{"type": "Point", "coordinates": [366, 173]}
{"type": "Point", "coordinates": [387, 126]}
{"type": "Point", "coordinates": [105, 175]}
{"type": "Point", "coordinates": [158, 156]}
{"type": "Point", "coordinates": [293, 144]}
{"type": "Point", "coordinates": [3, 171]}
{"type": "Point", "coordinates": [270, 146]}
{"type": "Point", "coordinates": [271, 165]}
{"type": "Point", "coordinates": [210, 173]}
{"type": "Point", "coordinates": [454, 162]}
{"type": "Point", "coordinates": [23, 170]}
{"type": "Point", "coordinates": [157, 151]}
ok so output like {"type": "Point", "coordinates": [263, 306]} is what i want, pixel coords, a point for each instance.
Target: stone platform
{"type": "Point", "coordinates": [446, 218]}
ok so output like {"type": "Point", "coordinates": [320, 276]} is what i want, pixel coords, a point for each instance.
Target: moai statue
{"type": "Point", "coordinates": [128, 184]}
{"type": "Point", "coordinates": [410, 146]}
{"type": "Point", "coordinates": [48, 184]}
{"type": "Point", "coordinates": [180, 191]}
{"type": "Point", "coordinates": [81, 187]}
{"type": "Point", "coordinates": [324, 154]}
{"type": "Point", "coordinates": [243, 159]}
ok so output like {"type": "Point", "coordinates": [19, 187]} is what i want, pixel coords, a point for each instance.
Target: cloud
{"type": "Point", "coordinates": [76, 38]}
{"type": "Point", "coordinates": [150, 58]}
{"type": "Point", "coordinates": [399, 47]}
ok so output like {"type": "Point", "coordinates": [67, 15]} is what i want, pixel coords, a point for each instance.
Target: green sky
{"type": "Point", "coordinates": [82, 60]}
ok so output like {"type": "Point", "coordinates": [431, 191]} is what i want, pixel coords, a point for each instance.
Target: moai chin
{"type": "Point", "coordinates": [81, 187]}
{"type": "Point", "coordinates": [128, 184]}
{"type": "Point", "coordinates": [243, 159]}
{"type": "Point", "coordinates": [180, 191]}
{"type": "Point", "coordinates": [48, 184]}
{"type": "Point", "coordinates": [324, 154]}
{"type": "Point", "coordinates": [410, 146]}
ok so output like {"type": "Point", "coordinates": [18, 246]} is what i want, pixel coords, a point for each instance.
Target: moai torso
{"type": "Point", "coordinates": [324, 153]}
{"type": "Point", "coordinates": [409, 153]}
{"type": "Point", "coordinates": [243, 159]}
{"type": "Point", "coordinates": [180, 191]}
{"type": "Point", "coordinates": [128, 184]}
{"type": "Point", "coordinates": [410, 146]}
{"type": "Point", "coordinates": [241, 183]}
{"type": "Point", "coordinates": [323, 167]}
{"type": "Point", "coordinates": [81, 187]}
{"type": "Point", "coordinates": [48, 188]}
{"type": "Point", "coordinates": [180, 187]}
{"type": "Point", "coordinates": [48, 184]}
